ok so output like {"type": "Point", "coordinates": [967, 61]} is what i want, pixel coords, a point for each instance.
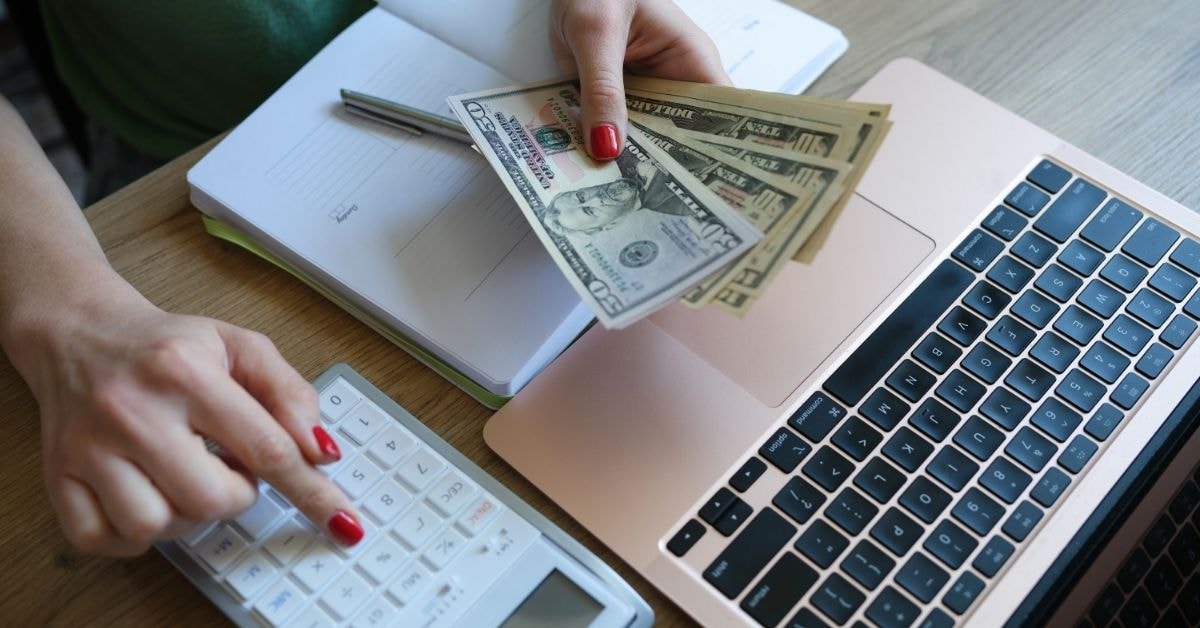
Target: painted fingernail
{"type": "Point", "coordinates": [328, 446]}
{"type": "Point", "coordinates": [345, 528]}
{"type": "Point", "coordinates": [604, 141]}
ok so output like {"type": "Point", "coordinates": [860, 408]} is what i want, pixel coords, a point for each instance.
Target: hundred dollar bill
{"type": "Point", "coordinates": [631, 235]}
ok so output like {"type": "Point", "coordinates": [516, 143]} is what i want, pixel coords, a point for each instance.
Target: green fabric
{"type": "Point", "coordinates": [166, 75]}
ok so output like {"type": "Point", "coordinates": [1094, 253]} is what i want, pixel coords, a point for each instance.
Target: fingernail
{"type": "Point", "coordinates": [345, 528]}
{"type": "Point", "coordinates": [328, 446]}
{"type": "Point", "coordinates": [604, 141]}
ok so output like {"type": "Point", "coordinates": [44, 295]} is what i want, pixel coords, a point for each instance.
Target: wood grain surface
{"type": "Point", "coordinates": [1118, 79]}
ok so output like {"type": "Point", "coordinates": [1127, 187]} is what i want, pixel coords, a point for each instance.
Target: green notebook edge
{"type": "Point", "coordinates": [232, 235]}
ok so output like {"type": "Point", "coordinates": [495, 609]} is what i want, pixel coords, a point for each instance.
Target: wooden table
{"type": "Point", "coordinates": [1119, 79]}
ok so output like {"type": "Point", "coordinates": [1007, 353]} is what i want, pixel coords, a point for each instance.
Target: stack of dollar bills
{"type": "Point", "coordinates": [715, 190]}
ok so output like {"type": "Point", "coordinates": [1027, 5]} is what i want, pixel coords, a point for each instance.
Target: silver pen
{"type": "Point", "coordinates": [403, 117]}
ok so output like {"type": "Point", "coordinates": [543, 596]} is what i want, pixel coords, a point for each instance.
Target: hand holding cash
{"type": "Point", "coordinates": [715, 188]}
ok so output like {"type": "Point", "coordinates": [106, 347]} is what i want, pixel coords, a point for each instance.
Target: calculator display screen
{"type": "Point", "coordinates": [556, 602]}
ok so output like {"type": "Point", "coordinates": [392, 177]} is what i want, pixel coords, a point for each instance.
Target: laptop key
{"type": "Point", "coordinates": [829, 468]}
{"type": "Point", "coordinates": [1139, 611]}
{"type": "Point", "coordinates": [1004, 222]}
{"type": "Point", "coordinates": [1033, 249]}
{"type": "Point", "coordinates": [1185, 502]}
{"type": "Point", "coordinates": [1052, 485]}
{"type": "Point", "coordinates": [1101, 298]}
{"type": "Point", "coordinates": [745, 477]}
{"type": "Point", "coordinates": [779, 589]}
{"type": "Point", "coordinates": [1185, 550]}
{"type": "Point", "coordinates": [1103, 422]}
{"type": "Point", "coordinates": [937, 353]}
{"type": "Point", "coordinates": [1070, 210]}
{"type": "Point", "coordinates": [1150, 308]}
{"type": "Point", "coordinates": [1035, 309]}
{"type": "Point", "coordinates": [978, 250]}
{"type": "Point", "coordinates": [978, 511]}
{"type": "Point", "coordinates": [799, 499]}
{"type": "Point", "coordinates": [879, 479]}
{"type": "Point", "coordinates": [962, 326]}
{"type": "Point", "coordinates": [884, 408]}
{"type": "Point", "coordinates": [717, 505]}
{"type": "Point", "coordinates": [1030, 449]}
{"type": "Point", "coordinates": [907, 449]}
{"type": "Point", "coordinates": [1154, 361]}
{"type": "Point", "coordinates": [960, 596]}
{"type": "Point", "coordinates": [1054, 351]}
{"type": "Point", "coordinates": [867, 564]}
{"type": "Point", "coordinates": [1005, 408]}
{"type": "Point", "coordinates": [979, 438]}
{"type": "Point", "coordinates": [1124, 273]}
{"type": "Point", "coordinates": [1059, 283]}
{"type": "Point", "coordinates": [1189, 600]}
{"type": "Point", "coordinates": [805, 618]}
{"type": "Point", "coordinates": [950, 544]}
{"type": "Point", "coordinates": [686, 537]}
{"type": "Point", "coordinates": [934, 419]}
{"type": "Point", "coordinates": [1178, 332]}
{"type": "Point", "coordinates": [897, 531]}
{"type": "Point", "coordinates": [1192, 307]}
{"type": "Point", "coordinates": [890, 608]}
{"type": "Point", "coordinates": [993, 556]}
{"type": "Point", "coordinates": [1026, 198]}
{"type": "Point", "coordinates": [987, 300]}
{"type": "Point", "coordinates": [924, 499]}
{"type": "Point", "coordinates": [817, 417]}
{"type": "Point", "coordinates": [1076, 456]}
{"type": "Point", "coordinates": [1173, 282]}
{"type": "Point", "coordinates": [864, 368]}
{"type": "Point", "coordinates": [960, 391]}
{"type": "Point", "coordinates": [1150, 242]}
{"type": "Point", "coordinates": [1159, 535]}
{"type": "Point", "coordinates": [1011, 335]}
{"type": "Point", "coordinates": [1049, 176]}
{"type": "Point", "coordinates": [1135, 568]}
{"type": "Point", "coordinates": [1187, 255]}
{"type": "Point", "coordinates": [1010, 274]}
{"type": "Point", "coordinates": [733, 518]}
{"type": "Point", "coordinates": [1129, 391]}
{"type": "Point", "coordinates": [749, 552]}
{"type": "Point", "coordinates": [986, 363]}
{"type": "Point", "coordinates": [1111, 224]}
{"type": "Point", "coordinates": [1022, 521]}
{"type": "Point", "coordinates": [1078, 325]}
{"type": "Point", "coordinates": [1106, 606]}
{"type": "Point", "coordinates": [1056, 419]}
{"type": "Point", "coordinates": [851, 511]}
{"type": "Point", "coordinates": [1128, 335]}
{"type": "Point", "coordinates": [785, 449]}
{"type": "Point", "coordinates": [821, 543]}
{"type": "Point", "coordinates": [837, 598]}
{"type": "Point", "coordinates": [857, 439]}
{"type": "Point", "coordinates": [1029, 379]}
{"type": "Point", "coordinates": [922, 577]}
{"type": "Point", "coordinates": [1005, 480]}
{"type": "Point", "coordinates": [1081, 258]}
{"type": "Point", "coordinates": [910, 380]}
{"type": "Point", "coordinates": [1105, 362]}
{"type": "Point", "coordinates": [952, 468]}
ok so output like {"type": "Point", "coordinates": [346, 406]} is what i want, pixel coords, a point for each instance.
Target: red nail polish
{"type": "Point", "coordinates": [345, 528]}
{"type": "Point", "coordinates": [604, 141]}
{"type": "Point", "coordinates": [328, 446]}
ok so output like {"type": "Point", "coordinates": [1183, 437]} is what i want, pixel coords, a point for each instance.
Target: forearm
{"type": "Point", "coordinates": [50, 262]}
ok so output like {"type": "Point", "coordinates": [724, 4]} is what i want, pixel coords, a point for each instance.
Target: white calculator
{"type": "Point", "coordinates": [446, 544]}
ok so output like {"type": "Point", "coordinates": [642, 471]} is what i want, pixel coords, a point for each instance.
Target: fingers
{"type": "Point", "coordinates": [236, 420]}
{"type": "Point", "coordinates": [198, 484]}
{"type": "Point", "coordinates": [83, 520]}
{"type": "Point", "coordinates": [257, 365]}
{"type": "Point", "coordinates": [665, 42]}
{"type": "Point", "coordinates": [596, 35]}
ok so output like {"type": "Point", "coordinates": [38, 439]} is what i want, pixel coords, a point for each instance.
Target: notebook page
{"type": "Point", "coordinates": [417, 230]}
{"type": "Point", "coordinates": [764, 44]}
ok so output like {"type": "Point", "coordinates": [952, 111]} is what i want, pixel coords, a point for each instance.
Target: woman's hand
{"type": "Point", "coordinates": [600, 39]}
{"type": "Point", "coordinates": [127, 392]}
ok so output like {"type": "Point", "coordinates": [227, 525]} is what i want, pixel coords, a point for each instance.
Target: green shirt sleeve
{"type": "Point", "coordinates": [166, 75]}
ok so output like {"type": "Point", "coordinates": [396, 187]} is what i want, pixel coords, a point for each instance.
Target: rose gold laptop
{"type": "Point", "coordinates": [939, 417]}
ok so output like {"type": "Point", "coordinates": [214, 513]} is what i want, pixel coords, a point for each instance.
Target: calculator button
{"type": "Point", "coordinates": [444, 548]}
{"type": "Point", "coordinates": [313, 617]}
{"type": "Point", "coordinates": [193, 536]}
{"type": "Point", "coordinates": [254, 572]}
{"type": "Point", "coordinates": [281, 601]}
{"type": "Point", "coordinates": [346, 595]}
{"type": "Point", "coordinates": [451, 493]}
{"type": "Point", "coordinates": [420, 469]}
{"type": "Point", "coordinates": [260, 517]}
{"type": "Point", "coordinates": [318, 566]}
{"type": "Point", "coordinates": [379, 612]}
{"type": "Point", "coordinates": [417, 525]}
{"type": "Point", "coordinates": [286, 543]}
{"type": "Point", "coordinates": [411, 581]}
{"type": "Point", "coordinates": [383, 559]}
{"type": "Point", "coordinates": [390, 446]}
{"type": "Point", "coordinates": [364, 422]}
{"type": "Point", "coordinates": [478, 515]}
{"type": "Point", "coordinates": [357, 477]}
{"type": "Point", "coordinates": [337, 399]}
{"type": "Point", "coordinates": [219, 549]}
{"type": "Point", "coordinates": [387, 500]}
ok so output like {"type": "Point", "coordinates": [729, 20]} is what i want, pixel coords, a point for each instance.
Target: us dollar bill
{"type": "Point", "coordinates": [631, 235]}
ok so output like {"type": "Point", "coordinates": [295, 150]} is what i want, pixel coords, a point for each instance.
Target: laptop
{"type": "Point", "coordinates": [939, 415]}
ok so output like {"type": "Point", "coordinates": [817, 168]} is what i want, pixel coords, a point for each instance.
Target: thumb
{"type": "Point", "coordinates": [599, 48]}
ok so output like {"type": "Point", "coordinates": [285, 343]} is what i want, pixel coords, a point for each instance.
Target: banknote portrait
{"type": "Point", "coordinates": [596, 208]}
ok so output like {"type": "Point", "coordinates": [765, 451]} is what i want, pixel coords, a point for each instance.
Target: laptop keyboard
{"type": "Point", "coordinates": [933, 452]}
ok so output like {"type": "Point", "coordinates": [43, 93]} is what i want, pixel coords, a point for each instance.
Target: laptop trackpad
{"type": "Point", "coordinates": [809, 308]}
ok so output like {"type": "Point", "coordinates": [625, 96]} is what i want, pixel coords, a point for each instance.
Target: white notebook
{"type": "Point", "coordinates": [415, 236]}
